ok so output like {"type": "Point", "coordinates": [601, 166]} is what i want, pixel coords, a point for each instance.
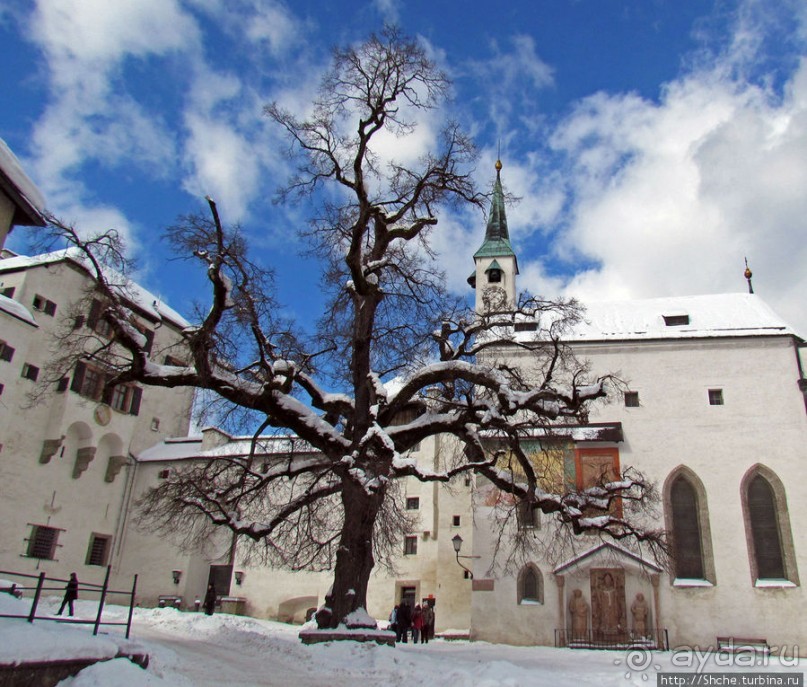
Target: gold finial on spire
{"type": "Point", "coordinates": [498, 165]}
{"type": "Point", "coordinates": [499, 156]}
{"type": "Point", "coordinates": [748, 274]}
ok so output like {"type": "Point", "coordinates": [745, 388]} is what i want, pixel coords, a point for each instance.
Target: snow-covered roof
{"type": "Point", "coordinates": [27, 198]}
{"type": "Point", "coordinates": [684, 317]}
{"type": "Point", "coordinates": [18, 310]}
{"type": "Point", "coordinates": [141, 297]}
{"type": "Point", "coordinates": [186, 448]}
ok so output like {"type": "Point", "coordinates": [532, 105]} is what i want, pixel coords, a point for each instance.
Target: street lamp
{"type": "Point", "coordinates": [239, 577]}
{"type": "Point", "coordinates": [176, 575]}
{"type": "Point", "coordinates": [456, 540]}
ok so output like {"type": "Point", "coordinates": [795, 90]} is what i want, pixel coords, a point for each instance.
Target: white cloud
{"type": "Point", "coordinates": [222, 164]}
{"type": "Point", "coordinates": [389, 10]}
{"type": "Point", "coordinates": [669, 197]}
{"type": "Point", "coordinates": [90, 116]}
{"type": "Point", "coordinates": [99, 33]}
{"type": "Point", "coordinates": [272, 25]}
{"type": "Point", "coordinates": [511, 80]}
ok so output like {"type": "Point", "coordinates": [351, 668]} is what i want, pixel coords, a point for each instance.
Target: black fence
{"type": "Point", "coordinates": [656, 639]}
{"type": "Point", "coordinates": [42, 584]}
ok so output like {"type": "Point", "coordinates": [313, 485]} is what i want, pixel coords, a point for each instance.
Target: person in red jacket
{"type": "Point", "coordinates": [417, 623]}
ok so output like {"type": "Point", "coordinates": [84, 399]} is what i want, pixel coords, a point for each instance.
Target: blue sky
{"type": "Point", "coordinates": [654, 143]}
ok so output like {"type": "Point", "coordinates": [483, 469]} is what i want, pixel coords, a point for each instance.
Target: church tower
{"type": "Point", "coordinates": [494, 278]}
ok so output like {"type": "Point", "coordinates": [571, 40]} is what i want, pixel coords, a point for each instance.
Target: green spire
{"type": "Point", "coordinates": [497, 238]}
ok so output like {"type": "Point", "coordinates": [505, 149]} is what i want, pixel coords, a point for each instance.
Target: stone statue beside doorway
{"type": "Point", "coordinates": [640, 612]}
{"type": "Point", "coordinates": [578, 610]}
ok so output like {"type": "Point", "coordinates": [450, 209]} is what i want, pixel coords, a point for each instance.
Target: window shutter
{"type": "Point", "coordinates": [765, 529]}
{"type": "Point", "coordinates": [95, 313]}
{"type": "Point", "coordinates": [108, 391]}
{"type": "Point", "coordinates": [686, 531]}
{"type": "Point", "coordinates": [78, 377]}
{"type": "Point", "coordinates": [149, 340]}
{"type": "Point", "coordinates": [137, 394]}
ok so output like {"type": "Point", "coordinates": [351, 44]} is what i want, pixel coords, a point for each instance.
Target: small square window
{"type": "Point", "coordinates": [410, 545]}
{"type": "Point", "coordinates": [715, 397]}
{"type": "Point", "coordinates": [528, 515]}
{"type": "Point", "coordinates": [631, 399]}
{"type": "Point", "coordinates": [98, 551]}
{"type": "Point", "coordinates": [42, 304]}
{"type": "Point", "coordinates": [30, 372]}
{"type": "Point", "coordinates": [6, 352]}
{"type": "Point", "coordinates": [412, 503]}
{"type": "Point", "coordinates": [42, 543]}
{"type": "Point", "coordinates": [455, 521]}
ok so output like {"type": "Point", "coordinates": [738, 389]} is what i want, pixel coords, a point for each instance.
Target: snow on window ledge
{"type": "Point", "coordinates": [689, 582]}
{"type": "Point", "coordinates": [530, 602]}
{"type": "Point", "coordinates": [773, 584]}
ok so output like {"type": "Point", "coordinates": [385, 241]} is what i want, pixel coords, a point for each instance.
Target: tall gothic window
{"type": "Point", "coordinates": [686, 530]}
{"type": "Point", "coordinates": [687, 517]}
{"type": "Point", "coordinates": [765, 530]}
{"type": "Point", "coordinates": [767, 526]}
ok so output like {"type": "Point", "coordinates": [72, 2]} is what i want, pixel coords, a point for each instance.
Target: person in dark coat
{"type": "Point", "coordinates": [70, 594]}
{"type": "Point", "coordinates": [404, 621]}
{"type": "Point", "coordinates": [210, 599]}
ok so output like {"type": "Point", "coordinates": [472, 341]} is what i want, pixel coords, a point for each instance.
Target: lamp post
{"type": "Point", "coordinates": [456, 540]}
{"type": "Point", "coordinates": [176, 575]}
{"type": "Point", "coordinates": [239, 577]}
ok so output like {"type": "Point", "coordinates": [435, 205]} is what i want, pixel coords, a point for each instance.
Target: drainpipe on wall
{"type": "Point", "coordinates": [123, 513]}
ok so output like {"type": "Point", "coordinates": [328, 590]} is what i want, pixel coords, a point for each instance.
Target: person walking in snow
{"type": "Point", "coordinates": [70, 595]}
{"type": "Point", "coordinates": [210, 599]}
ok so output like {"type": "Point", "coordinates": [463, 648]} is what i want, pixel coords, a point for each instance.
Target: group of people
{"type": "Point", "coordinates": [418, 620]}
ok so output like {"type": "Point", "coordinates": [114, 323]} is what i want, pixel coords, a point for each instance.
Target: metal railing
{"type": "Point", "coordinates": [655, 638]}
{"type": "Point", "coordinates": [102, 590]}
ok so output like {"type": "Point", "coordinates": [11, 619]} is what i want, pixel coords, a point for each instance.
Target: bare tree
{"type": "Point", "coordinates": [329, 498]}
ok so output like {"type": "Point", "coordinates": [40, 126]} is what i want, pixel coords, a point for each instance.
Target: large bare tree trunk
{"type": "Point", "coordinates": [354, 559]}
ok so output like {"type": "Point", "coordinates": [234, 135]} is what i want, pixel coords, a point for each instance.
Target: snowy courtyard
{"type": "Point", "coordinates": [192, 649]}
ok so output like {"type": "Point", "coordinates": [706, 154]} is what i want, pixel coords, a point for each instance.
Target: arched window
{"type": "Point", "coordinates": [686, 531]}
{"type": "Point", "coordinates": [767, 526]}
{"type": "Point", "coordinates": [687, 518]}
{"type": "Point", "coordinates": [765, 529]}
{"type": "Point", "coordinates": [530, 585]}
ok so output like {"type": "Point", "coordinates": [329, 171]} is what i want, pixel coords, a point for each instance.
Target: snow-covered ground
{"type": "Point", "coordinates": [195, 650]}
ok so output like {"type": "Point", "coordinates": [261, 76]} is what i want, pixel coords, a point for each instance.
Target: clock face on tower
{"type": "Point", "coordinates": [494, 298]}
